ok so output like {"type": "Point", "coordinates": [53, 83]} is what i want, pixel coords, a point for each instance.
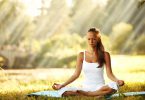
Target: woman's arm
{"type": "Point", "coordinates": [78, 69]}
{"type": "Point", "coordinates": [109, 70]}
{"type": "Point", "coordinates": [75, 74]}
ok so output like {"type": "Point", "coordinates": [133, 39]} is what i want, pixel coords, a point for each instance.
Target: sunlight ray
{"type": "Point", "coordinates": [127, 12]}
{"type": "Point", "coordinates": [113, 16]}
{"type": "Point", "coordinates": [132, 36]}
{"type": "Point", "coordinates": [12, 26]}
{"type": "Point", "coordinates": [137, 16]}
{"type": "Point", "coordinates": [5, 8]}
{"type": "Point", "coordinates": [17, 34]}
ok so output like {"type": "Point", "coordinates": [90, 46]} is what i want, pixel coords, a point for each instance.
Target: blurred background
{"type": "Point", "coordinates": [50, 33]}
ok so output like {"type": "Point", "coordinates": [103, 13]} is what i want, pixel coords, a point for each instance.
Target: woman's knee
{"type": "Point", "coordinates": [110, 90]}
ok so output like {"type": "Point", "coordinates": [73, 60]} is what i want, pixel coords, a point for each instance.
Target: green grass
{"type": "Point", "coordinates": [15, 84]}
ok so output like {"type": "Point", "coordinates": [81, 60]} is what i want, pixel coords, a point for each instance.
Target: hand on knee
{"type": "Point", "coordinates": [110, 90]}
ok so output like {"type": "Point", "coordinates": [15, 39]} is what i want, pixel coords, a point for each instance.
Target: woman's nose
{"type": "Point", "coordinates": [91, 41]}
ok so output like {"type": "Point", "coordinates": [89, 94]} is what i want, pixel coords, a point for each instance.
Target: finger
{"type": "Point", "coordinates": [121, 83]}
{"type": "Point", "coordinates": [53, 87]}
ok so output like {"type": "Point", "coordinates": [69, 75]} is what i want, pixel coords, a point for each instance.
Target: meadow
{"type": "Point", "coordinates": [15, 84]}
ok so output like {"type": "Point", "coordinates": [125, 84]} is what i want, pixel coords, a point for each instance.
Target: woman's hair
{"type": "Point", "coordinates": [99, 47]}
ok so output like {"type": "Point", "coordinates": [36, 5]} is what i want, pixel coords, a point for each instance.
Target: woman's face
{"type": "Point", "coordinates": [91, 39]}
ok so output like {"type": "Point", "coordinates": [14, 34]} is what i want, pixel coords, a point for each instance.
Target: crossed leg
{"type": "Point", "coordinates": [101, 92]}
{"type": "Point", "coordinates": [98, 93]}
{"type": "Point", "coordinates": [71, 93]}
{"type": "Point", "coordinates": [76, 93]}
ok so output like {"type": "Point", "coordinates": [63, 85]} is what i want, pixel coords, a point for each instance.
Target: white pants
{"type": "Point", "coordinates": [112, 85]}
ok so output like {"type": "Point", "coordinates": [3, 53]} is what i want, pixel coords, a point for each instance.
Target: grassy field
{"type": "Point", "coordinates": [15, 84]}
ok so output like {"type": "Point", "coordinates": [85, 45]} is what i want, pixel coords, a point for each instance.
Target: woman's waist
{"type": "Point", "coordinates": [92, 87]}
{"type": "Point", "coordinates": [94, 78]}
{"type": "Point", "coordinates": [93, 82]}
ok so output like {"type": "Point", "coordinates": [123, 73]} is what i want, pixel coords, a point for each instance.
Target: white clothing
{"type": "Point", "coordinates": [93, 78]}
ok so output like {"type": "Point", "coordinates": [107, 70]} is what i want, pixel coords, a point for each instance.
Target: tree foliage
{"type": "Point", "coordinates": [55, 36]}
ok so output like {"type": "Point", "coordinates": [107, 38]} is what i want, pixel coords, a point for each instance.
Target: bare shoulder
{"type": "Point", "coordinates": [107, 55]}
{"type": "Point", "coordinates": [80, 56]}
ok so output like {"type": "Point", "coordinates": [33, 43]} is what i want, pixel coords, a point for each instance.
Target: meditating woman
{"type": "Point", "coordinates": [92, 62]}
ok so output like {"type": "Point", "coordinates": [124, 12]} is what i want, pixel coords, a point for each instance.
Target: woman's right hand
{"type": "Point", "coordinates": [57, 86]}
{"type": "Point", "coordinates": [120, 82]}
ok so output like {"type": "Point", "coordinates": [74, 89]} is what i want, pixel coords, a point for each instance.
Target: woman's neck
{"type": "Point", "coordinates": [92, 50]}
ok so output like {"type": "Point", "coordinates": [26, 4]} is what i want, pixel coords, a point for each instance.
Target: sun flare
{"type": "Point", "coordinates": [33, 7]}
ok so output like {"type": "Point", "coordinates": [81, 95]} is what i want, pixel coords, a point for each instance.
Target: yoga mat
{"type": "Point", "coordinates": [45, 93]}
{"type": "Point", "coordinates": [142, 93]}
{"type": "Point", "coordinates": [56, 94]}
{"type": "Point", "coordinates": [131, 94]}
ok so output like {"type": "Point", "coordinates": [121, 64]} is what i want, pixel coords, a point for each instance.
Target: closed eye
{"type": "Point", "coordinates": [91, 38]}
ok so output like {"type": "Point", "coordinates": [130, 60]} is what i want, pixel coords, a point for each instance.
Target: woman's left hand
{"type": "Point", "coordinates": [57, 86]}
{"type": "Point", "coordinates": [120, 82]}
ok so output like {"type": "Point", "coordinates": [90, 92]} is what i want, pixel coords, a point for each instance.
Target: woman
{"type": "Point", "coordinates": [92, 62]}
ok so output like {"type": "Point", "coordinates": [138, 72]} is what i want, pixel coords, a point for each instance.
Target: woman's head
{"type": "Point", "coordinates": [93, 36]}
{"type": "Point", "coordinates": [94, 40]}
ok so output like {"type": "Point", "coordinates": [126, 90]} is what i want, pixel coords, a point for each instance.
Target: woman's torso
{"type": "Point", "coordinates": [93, 76]}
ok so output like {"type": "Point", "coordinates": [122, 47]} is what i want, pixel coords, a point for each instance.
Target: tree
{"type": "Point", "coordinates": [15, 25]}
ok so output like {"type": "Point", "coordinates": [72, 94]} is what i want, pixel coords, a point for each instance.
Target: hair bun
{"type": "Point", "coordinates": [93, 29]}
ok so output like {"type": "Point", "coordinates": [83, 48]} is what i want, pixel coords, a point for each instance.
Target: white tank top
{"type": "Point", "coordinates": [93, 76]}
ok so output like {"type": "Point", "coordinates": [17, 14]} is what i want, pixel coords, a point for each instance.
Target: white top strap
{"type": "Point", "coordinates": [84, 55]}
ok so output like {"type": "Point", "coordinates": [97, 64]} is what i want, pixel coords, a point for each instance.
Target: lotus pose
{"type": "Point", "coordinates": [92, 62]}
